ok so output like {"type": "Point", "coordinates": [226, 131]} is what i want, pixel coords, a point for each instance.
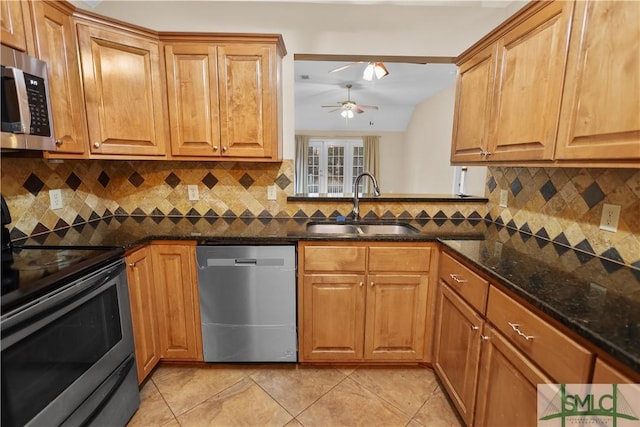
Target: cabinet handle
{"type": "Point", "coordinates": [215, 148]}
{"type": "Point", "coordinates": [457, 279]}
{"type": "Point", "coordinates": [474, 327]}
{"type": "Point", "coordinates": [96, 144]}
{"type": "Point", "coordinates": [516, 329]}
{"type": "Point", "coordinates": [225, 148]}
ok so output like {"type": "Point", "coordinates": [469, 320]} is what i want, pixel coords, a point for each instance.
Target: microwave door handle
{"type": "Point", "coordinates": [23, 100]}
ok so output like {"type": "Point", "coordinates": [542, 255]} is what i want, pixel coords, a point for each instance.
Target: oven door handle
{"type": "Point", "coordinates": [90, 409]}
{"type": "Point", "coordinates": [45, 310]}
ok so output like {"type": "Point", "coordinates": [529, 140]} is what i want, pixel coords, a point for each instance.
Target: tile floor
{"type": "Point", "coordinates": [292, 396]}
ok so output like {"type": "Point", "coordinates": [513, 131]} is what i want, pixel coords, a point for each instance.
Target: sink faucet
{"type": "Point", "coordinates": [355, 214]}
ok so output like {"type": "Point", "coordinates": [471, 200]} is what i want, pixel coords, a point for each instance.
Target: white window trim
{"type": "Point", "coordinates": [323, 144]}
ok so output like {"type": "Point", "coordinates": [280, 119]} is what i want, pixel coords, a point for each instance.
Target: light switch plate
{"type": "Point", "coordinates": [55, 197]}
{"type": "Point", "coordinates": [504, 197]}
{"type": "Point", "coordinates": [271, 192]}
{"type": "Point", "coordinates": [610, 217]}
{"type": "Point", "coordinates": [193, 192]}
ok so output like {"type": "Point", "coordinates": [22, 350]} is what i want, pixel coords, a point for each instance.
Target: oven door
{"type": "Point", "coordinates": [60, 349]}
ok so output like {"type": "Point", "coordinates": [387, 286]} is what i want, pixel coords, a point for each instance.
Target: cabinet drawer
{"type": "Point", "coordinates": [335, 258]}
{"type": "Point", "coordinates": [395, 258]}
{"type": "Point", "coordinates": [557, 354]}
{"type": "Point", "coordinates": [473, 288]}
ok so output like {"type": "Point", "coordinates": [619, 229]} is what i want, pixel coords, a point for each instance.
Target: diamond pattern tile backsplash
{"type": "Point", "coordinates": [558, 205]}
{"type": "Point", "coordinates": [564, 206]}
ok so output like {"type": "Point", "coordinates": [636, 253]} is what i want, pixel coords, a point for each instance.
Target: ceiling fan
{"type": "Point", "coordinates": [373, 69]}
{"type": "Point", "coordinates": [349, 107]}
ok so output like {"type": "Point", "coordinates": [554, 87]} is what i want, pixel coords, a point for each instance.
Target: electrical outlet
{"type": "Point", "coordinates": [271, 192]}
{"type": "Point", "coordinates": [193, 192]}
{"type": "Point", "coordinates": [504, 197]}
{"type": "Point", "coordinates": [610, 217]}
{"type": "Point", "coordinates": [55, 197]}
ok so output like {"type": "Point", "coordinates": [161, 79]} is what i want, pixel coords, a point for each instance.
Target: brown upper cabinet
{"type": "Point", "coordinates": [516, 106]}
{"type": "Point", "coordinates": [224, 97]}
{"type": "Point", "coordinates": [16, 25]}
{"type": "Point", "coordinates": [600, 116]}
{"type": "Point", "coordinates": [123, 89]}
{"type": "Point", "coordinates": [57, 46]}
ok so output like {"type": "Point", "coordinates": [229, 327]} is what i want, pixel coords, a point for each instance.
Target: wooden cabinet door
{"type": "Point", "coordinates": [396, 310]}
{"type": "Point", "coordinates": [248, 107]}
{"type": "Point", "coordinates": [457, 349]}
{"type": "Point", "coordinates": [600, 115]}
{"type": "Point", "coordinates": [58, 49]}
{"type": "Point", "coordinates": [192, 85]}
{"type": "Point", "coordinates": [15, 25]}
{"type": "Point", "coordinates": [529, 76]}
{"type": "Point", "coordinates": [474, 94]}
{"type": "Point", "coordinates": [179, 310]}
{"type": "Point", "coordinates": [332, 317]}
{"type": "Point", "coordinates": [143, 311]}
{"type": "Point", "coordinates": [123, 92]}
{"type": "Point", "coordinates": [507, 385]}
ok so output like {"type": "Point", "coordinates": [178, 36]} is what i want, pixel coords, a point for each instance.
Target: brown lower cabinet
{"type": "Point", "coordinates": [365, 301]}
{"type": "Point", "coordinates": [165, 311]}
{"type": "Point", "coordinates": [507, 384]}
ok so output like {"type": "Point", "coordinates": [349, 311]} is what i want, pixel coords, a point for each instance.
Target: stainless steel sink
{"type": "Point", "coordinates": [361, 229]}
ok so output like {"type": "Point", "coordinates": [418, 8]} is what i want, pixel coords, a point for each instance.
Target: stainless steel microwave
{"type": "Point", "coordinates": [26, 105]}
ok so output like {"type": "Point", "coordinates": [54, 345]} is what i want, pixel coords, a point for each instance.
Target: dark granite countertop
{"type": "Point", "coordinates": [598, 299]}
{"type": "Point", "coordinates": [390, 197]}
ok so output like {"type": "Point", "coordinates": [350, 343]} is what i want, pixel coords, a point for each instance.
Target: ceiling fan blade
{"type": "Point", "coordinates": [344, 67]}
{"type": "Point", "coordinates": [358, 110]}
{"type": "Point", "coordinates": [372, 107]}
{"type": "Point", "coordinates": [335, 109]}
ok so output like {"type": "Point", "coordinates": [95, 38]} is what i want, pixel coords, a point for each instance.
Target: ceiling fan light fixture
{"type": "Point", "coordinates": [347, 114]}
{"type": "Point", "coordinates": [376, 69]}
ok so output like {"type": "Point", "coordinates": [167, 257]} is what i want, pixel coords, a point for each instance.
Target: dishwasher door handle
{"type": "Point", "coordinates": [246, 261]}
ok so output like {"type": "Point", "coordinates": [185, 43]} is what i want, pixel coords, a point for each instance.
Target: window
{"type": "Point", "coordinates": [333, 165]}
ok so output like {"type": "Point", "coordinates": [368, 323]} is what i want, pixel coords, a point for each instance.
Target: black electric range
{"type": "Point", "coordinates": [31, 272]}
{"type": "Point", "coordinates": [28, 272]}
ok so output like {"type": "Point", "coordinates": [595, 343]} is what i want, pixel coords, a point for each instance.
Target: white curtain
{"type": "Point", "coordinates": [300, 173]}
{"type": "Point", "coordinates": [371, 159]}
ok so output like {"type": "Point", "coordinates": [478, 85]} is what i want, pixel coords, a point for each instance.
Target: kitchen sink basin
{"type": "Point", "coordinates": [360, 229]}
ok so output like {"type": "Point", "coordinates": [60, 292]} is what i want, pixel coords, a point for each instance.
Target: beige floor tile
{"type": "Point", "coordinates": [244, 404]}
{"type": "Point", "coordinates": [183, 387]}
{"type": "Point", "coordinates": [437, 412]}
{"type": "Point", "coordinates": [296, 387]}
{"type": "Point", "coordinates": [406, 387]}
{"type": "Point", "coordinates": [153, 409]}
{"type": "Point", "coordinates": [350, 404]}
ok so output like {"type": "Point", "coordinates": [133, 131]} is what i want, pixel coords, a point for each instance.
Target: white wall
{"type": "Point", "coordinates": [427, 148]}
{"type": "Point", "coordinates": [346, 29]}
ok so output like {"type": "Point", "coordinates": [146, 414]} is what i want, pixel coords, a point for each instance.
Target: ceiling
{"type": "Point", "coordinates": [396, 95]}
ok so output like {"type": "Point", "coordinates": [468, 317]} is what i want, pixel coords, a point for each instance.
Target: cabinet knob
{"type": "Point", "coordinates": [484, 153]}
{"type": "Point", "coordinates": [474, 327]}
{"type": "Point", "coordinates": [484, 338]}
{"type": "Point", "coordinates": [215, 148]}
{"type": "Point", "coordinates": [361, 284]}
{"type": "Point", "coordinates": [58, 142]}
{"type": "Point", "coordinates": [132, 264]}
{"type": "Point", "coordinates": [96, 144]}
{"type": "Point", "coordinates": [225, 148]}
{"type": "Point", "coordinates": [372, 284]}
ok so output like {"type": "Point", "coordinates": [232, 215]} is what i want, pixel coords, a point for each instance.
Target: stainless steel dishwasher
{"type": "Point", "coordinates": [248, 303]}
